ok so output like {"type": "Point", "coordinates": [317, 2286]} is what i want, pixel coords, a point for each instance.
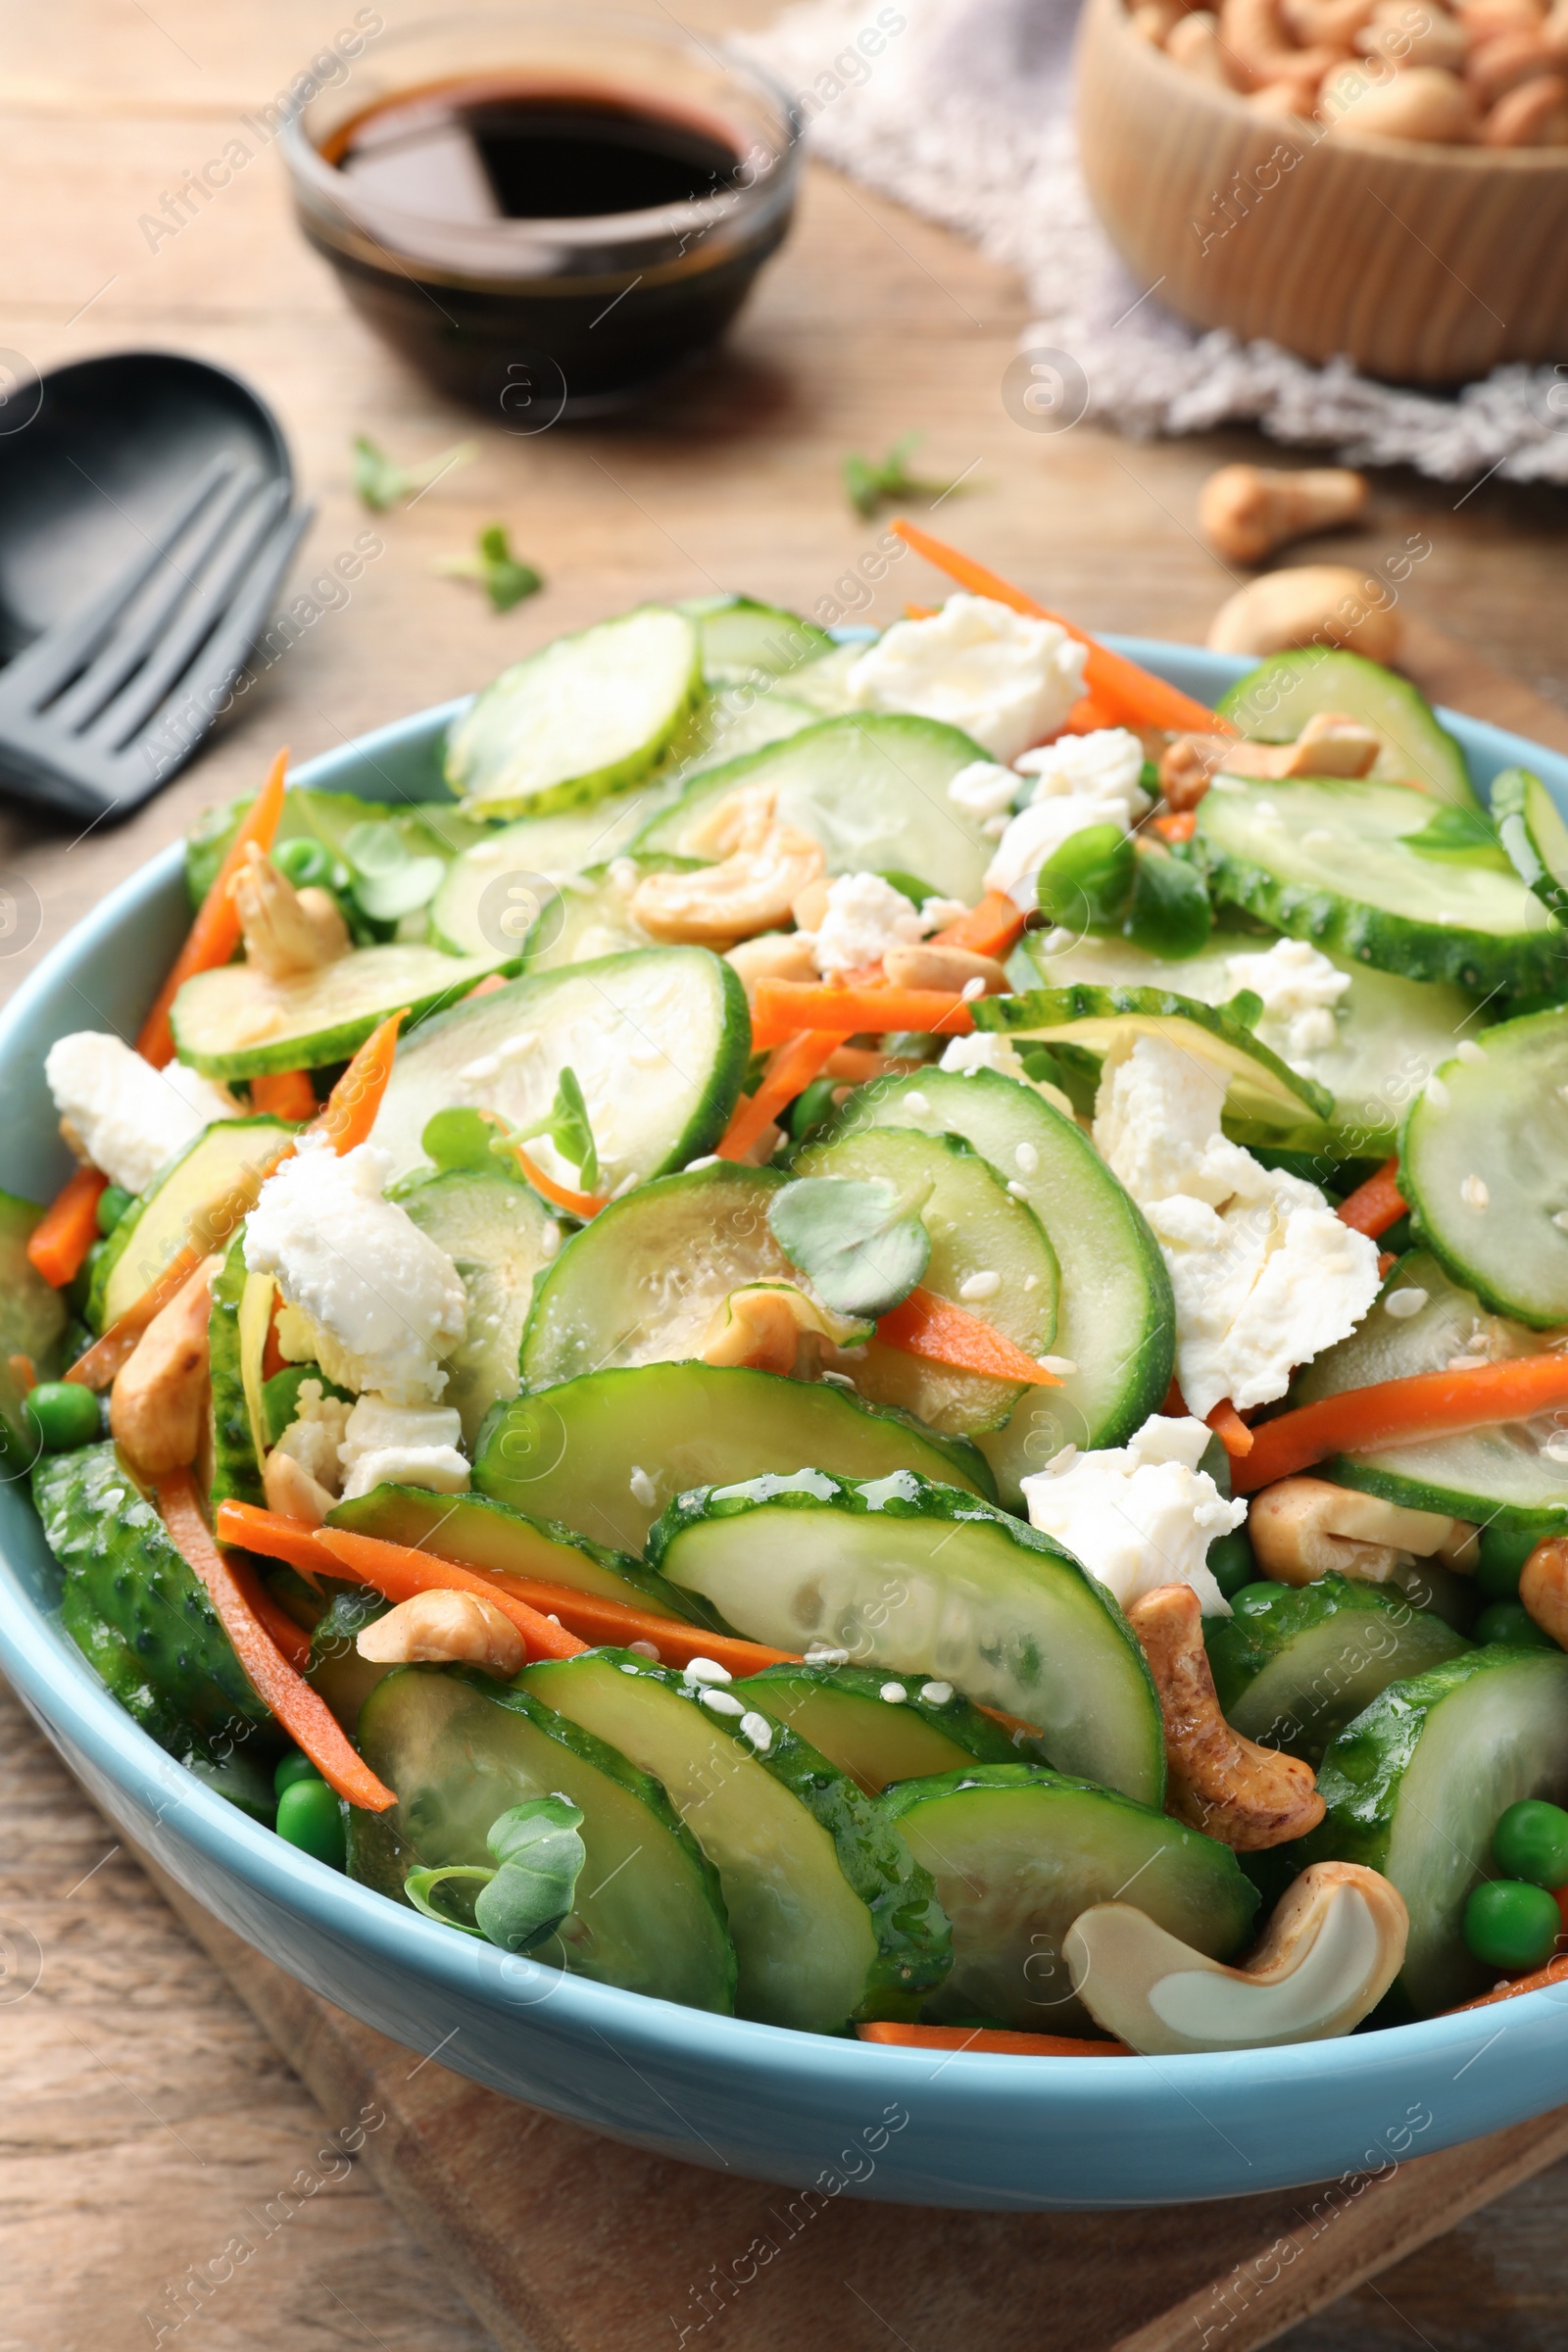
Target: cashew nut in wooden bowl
{"type": "Point", "coordinates": [1423, 263]}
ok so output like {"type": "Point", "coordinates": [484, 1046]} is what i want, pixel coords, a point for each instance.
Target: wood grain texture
{"type": "Point", "coordinates": [1423, 263]}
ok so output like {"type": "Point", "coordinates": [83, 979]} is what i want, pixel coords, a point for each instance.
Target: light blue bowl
{"type": "Point", "coordinates": [851, 2117]}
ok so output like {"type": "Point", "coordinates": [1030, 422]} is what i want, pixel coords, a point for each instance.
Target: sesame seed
{"type": "Point", "coordinates": [1466, 1363]}
{"type": "Point", "coordinates": [917, 1103]}
{"type": "Point", "coordinates": [1402, 1304]}
{"type": "Point", "coordinates": [823, 1653]}
{"type": "Point", "coordinates": [936, 1694]}
{"type": "Point", "coordinates": [1027, 1158]}
{"type": "Point", "coordinates": [984, 1285]}
{"type": "Point", "coordinates": [1019, 1193]}
{"type": "Point", "coordinates": [973, 988]}
{"type": "Point", "coordinates": [1474, 1192]}
{"type": "Point", "coordinates": [758, 1731]}
{"type": "Point", "coordinates": [642, 1487]}
{"type": "Point", "coordinates": [1471, 1053]}
{"type": "Point", "coordinates": [1063, 1367]}
{"type": "Point", "coordinates": [1437, 1093]}
{"type": "Point", "coordinates": [893, 1692]}
{"type": "Point", "coordinates": [706, 1670]}
{"type": "Point", "coordinates": [722, 1703]}
{"type": "Point", "coordinates": [487, 1066]}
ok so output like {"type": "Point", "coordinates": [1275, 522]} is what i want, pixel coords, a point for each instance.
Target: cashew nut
{"type": "Point", "coordinates": [737, 821]}
{"type": "Point", "coordinates": [810, 904]}
{"type": "Point", "coordinates": [1154, 20]}
{"type": "Point", "coordinates": [752, 889]}
{"type": "Point", "coordinates": [1424, 102]}
{"type": "Point", "coordinates": [286, 931]}
{"type": "Point", "coordinates": [1195, 46]}
{"type": "Point", "coordinates": [1504, 61]}
{"type": "Point", "coordinates": [1187, 764]}
{"type": "Point", "coordinates": [1278, 100]}
{"type": "Point", "coordinates": [1335, 22]}
{"type": "Point", "coordinates": [1247, 1796]}
{"type": "Point", "coordinates": [158, 1405]}
{"type": "Point", "coordinates": [291, 1490]}
{"type": "Point", "coordinates": [1436, 38]}
{"type": "Point", "coordinates": [1319, 604]}
{"type": "Point", "coordinates": [1304, 1527]}
{"type": "Point", "coordinates": [445, 1629]}
{"type": "Point", "coordinates": [773, 1327]}
{"type": "Point", "coordinates": [1543, 1588]}
{"type": "Point", "coordinates": [1248, 510]}
{"type": "Point", "coordinates": [1257, 43]}
{"type": "Point", "coordinates": [1329, 745]}
{"type": "Point", "coordinates": [931, 967]}
{"type": "Point", "coordinates": [1535, 114]}
{"type": "Point", "coordinates": [772, 956]}
{"type": "Point", "coordinates": [1332, 1947]}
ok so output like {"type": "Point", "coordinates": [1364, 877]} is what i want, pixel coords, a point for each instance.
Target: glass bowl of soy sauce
{"type": "Point", "coordinates": [550, 211]}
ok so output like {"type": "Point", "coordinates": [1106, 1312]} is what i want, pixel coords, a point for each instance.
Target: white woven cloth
{"type": "Point", "coordinates": [965, 115]}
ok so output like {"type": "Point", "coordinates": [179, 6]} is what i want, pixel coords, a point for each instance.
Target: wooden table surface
{"type": "Point", "coordinates": [145, 2114]}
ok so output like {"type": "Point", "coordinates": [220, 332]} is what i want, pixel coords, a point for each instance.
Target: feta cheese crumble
{"type": "Point", "coordinates": [1080, 781]}
{"type": "Point", "coordinates": [403, 1444]}
{"type": "Point", "coordinates": [129, 1117]}
{"type": "Point", "coordinates": [864, 918]}
{"type": "Point", "coordinates": [984, 789]}
{"type": "Point", "coordinates": [1300, 989]}
{"type": "Point", "coordinates": [1139, 1515]}
{"type": "Point", "coordinates": [316, 1432]}
{"type": "Point", "coordinates": [988, 1050]}
{"type": "Point", "coordinates": [1003, 679]}
{"type": "Point", "coordinates": [1264, 1274]}
{"type": "Point", "coordinates": [380, 1305]}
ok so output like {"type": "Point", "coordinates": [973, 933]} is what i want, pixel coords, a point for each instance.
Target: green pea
{"type": "Point", "coordinates": [113, 1202]}
{"type": "Point", "coordinates": [307, 863]}
{"type": "Point", "coordinates": [1531, 1841]}
{"type": "Point", "coordinates": [813, 1108]}
{"type": "Point", "coordinates": [295, 1766]}
{"type": "Point", "coordinates": [1511, 1926]}
{"type": "Point", "coordinates": [1510, 1621]}
{"type": "Point", "coordinates": [1500, 1556]}
{"type": "Point", "coordinates": [311, 1816]}
{"type": "Point", "coordinates": [1232, 1565]}
{"type": "Point", "coordinates": [62, 1416]}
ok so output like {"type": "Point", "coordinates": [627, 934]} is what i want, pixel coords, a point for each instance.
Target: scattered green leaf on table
{"type": "Point", "coordinates": [505, 579]}
{"type": "Point", "coordinates": [870, 486]}
{"type": "Point", "coordinates": [381, 481]}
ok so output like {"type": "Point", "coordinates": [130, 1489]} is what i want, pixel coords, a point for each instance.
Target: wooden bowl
{"type": "Point", "coordinates": [1424, 264]}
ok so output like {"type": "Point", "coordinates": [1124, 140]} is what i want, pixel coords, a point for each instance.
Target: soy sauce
{"type": "Point", "coordinates": [581, 321]}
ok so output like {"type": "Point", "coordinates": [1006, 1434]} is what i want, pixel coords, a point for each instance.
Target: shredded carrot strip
{"type": "Point", "coordinates": [400, 1570]}
{"type": "Point", "coordinates": [858, 1064]}
{"type": "Point", "coordinates": [1230, 1429]}
{"type": "Point", "coordinates": [1554, 1974]}
{"type": "Point", "coordinates": [284, 1093]}
{"type": "Point", "coordinates": [302, 1713]}
{"type": "Point", "coordinates": [1401, 1412]}
{"type": "Point", "coordinates": [291, 1641]}
{"type": "Point", "coordinates": [933, 1328]}
{"type": "Point", "coordinates": [789, 1073]}
{"type": "Point", "coordinates": [992, 928]}
{"type": "Point", "coordinates": [920, 611]}
{"type": "Point", "coordinates": [989, 2042]}
{"type": "Point", "coordinates": [485, 988]}
{"type": "Point", "coordinates": [104, 1359]}
{"type": "Point", "coordinates": [280, 1538]}
{"type": "Point", "coordinates": [585, 1205]}
{"type": "Point", "coordinates": [352, 1106]}
{"type": "Point", "coordinates": [1375, 1205]}
{"type": "Point", "coordinates": [1088, 716]}
{"type": "Point", "coordinates": [1135, 695]}
{"type": "Point", "coordinates": [214, 934]}
{"type": "Point", "coordinates": [783, 1008]}
{"type": "Point", "coordinates": [58, 1245]}
{"type": "Point", "coordinates": [1177, 824]}
{"type": "Point", "coordinates": [1174, 1408]}
{"type": "Point", "coordinates": [23, 1371]}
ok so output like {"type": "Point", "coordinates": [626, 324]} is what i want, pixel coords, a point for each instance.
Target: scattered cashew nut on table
{"type": "Point", "coordinates": [1335, 1944]}
{"type": "Point", "coordinates": [1313, 604]}
{"type": "Point", "coordinates": [1249, 1798]}
{"type": "Point", "coordinates": [1246, 511]}
{"type": "Point", "coordinates": [445, 1629]}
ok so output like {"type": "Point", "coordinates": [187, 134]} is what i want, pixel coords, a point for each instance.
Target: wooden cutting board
{"type": "Point", "coordinates": [560, 2242]}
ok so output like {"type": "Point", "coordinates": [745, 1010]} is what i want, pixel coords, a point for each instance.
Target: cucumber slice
{"type": "Point", "coordinates": [607, 1452]}
{"type": "Point", "coordinates": [1414, 1787]}
{"type": "Point", "coordinates": [1273, 702]}
{"type": "Point", "coordinates": [155, 1228]}
{"type": "Point", "coordinates": [478, 1533]}
{"type": "Point", "coordinates": [32, 1323]}
{"type": "Point", "coordinates": [918, 1578]}
{"type": "Point", "coordinates": [589, 915]}
{"type": "Point", "coordinates": [742, 639]}
{"type": "Point", "coordinates": [831, 1919]}
{"type": "Point", "coordinates": [729, 725]}
{"type": "Point", "coordinates": [1390, 1032]}
{"type": "Point", "coordinates": [236, 1023]}
{"type": "Point", "coordinates": [237, 1340]}
{"type": "Point", "coordinates": [1530, 828]}
{"type": "Point", "coordinates": [1115, 1322]}
{"type": "Point", "coordinates": [977, 1228]}
{"type": "Point", "coordinates": [1293, 1665]}
{"type": "Point", "coordinates": [474, 905]}
{"type": "Point", "coordinates": [1262, 1091]}
{"type": "Point", "coordinates": [825, 684]}
{"type": "Point", "coordinates": [878, 1729]}
{"type": "Point", "coordinates": [658, 1041]}
{"type": "Point", "coordinates": [642, 1283]}
{"type": "Point", "coordinates": [1507, 1475]}
{"type": "Point", "coordinates": [423, 829]}
{"type": "Point", "coordinates": [1483, 1164]}
{"type": "Point", "coordinates": [872, 790]}
{"type": "Point", "coordinates": [1328, 860]}
{"type": "Point", "coordinates": [459, 1750]}
{"type": "Point", "coordinates": [584, 717]}
{"type": "Point", "coordinates": [500, 1236]}
{"type": "Point", "coordinates": [1018, 1851]}
{"type": "Point", "coordinates": [171, 1663]}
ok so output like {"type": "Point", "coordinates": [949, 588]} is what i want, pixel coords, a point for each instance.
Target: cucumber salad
{"type": "Point", "coordinates": [868, 1335]}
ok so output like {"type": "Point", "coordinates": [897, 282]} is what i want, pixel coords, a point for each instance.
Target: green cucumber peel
{"type": "Point", "coordinates": [860, 1245]}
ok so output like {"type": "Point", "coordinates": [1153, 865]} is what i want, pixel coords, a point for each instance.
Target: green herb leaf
{"type": "Point", "coordinates": [1461, 836]}
{"type": "Point", "coordinates": [569, 1128]}
{"type": "Point", "coordinates": [457, 1885]}
{"type": "Point", "coordinates": [381, 482]}
{"type": "Point", "coordinates": [861, 1246]}
{"type": "Point", "coordinates": [868, 486]}
{"type": "Point", "coordinates": [540, 1858]}
{"type": "Point", "coordinates": [1087, 883]}
{"type": "Point", "coordinates": [504, 577]}
{"type": "Point", "coordinates": [458, 1138]}
{"type": "Point", "coordinates": [389, 880]}
{"type": "Point", "coordinates": [1170, 914]}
